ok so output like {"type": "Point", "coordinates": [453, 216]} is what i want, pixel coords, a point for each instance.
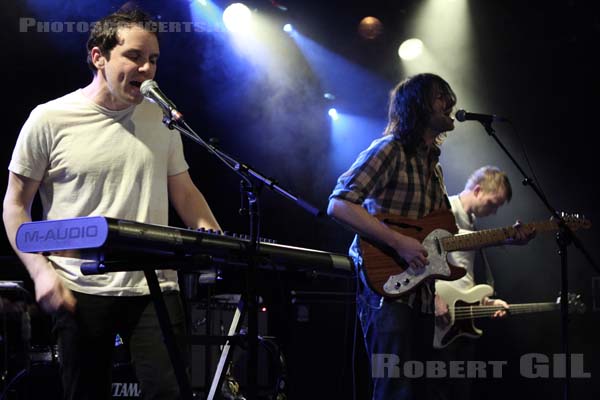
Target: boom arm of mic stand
{"type": "Point", "coordinates": [241, 169]}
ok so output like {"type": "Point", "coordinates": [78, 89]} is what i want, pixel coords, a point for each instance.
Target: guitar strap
{"type": "Point", "coordinates": [489, 277]}
{"type": "Point", "coordinates": [437, 169]}
{"type": "Point", "coordinates": [487, 271]}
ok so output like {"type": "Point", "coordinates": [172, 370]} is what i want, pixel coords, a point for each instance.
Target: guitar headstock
{"type": "Point", "coordinates": [575, 221]}
{"type": "Point", "coordinates": [576, 305]}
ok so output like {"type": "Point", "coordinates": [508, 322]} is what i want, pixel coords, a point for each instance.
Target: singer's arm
{"type": "Point", "coordinates": [360, 221]}
{"type": "Point", "coordinates": [50, 292]}
{"type": "Point", "coordinates": [190, 203]}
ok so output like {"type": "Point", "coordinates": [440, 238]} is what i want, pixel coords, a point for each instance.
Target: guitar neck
{"type": "Point", "coordinates": [467, 312]}
{"type": "Point", "coordinates": [489, 237]}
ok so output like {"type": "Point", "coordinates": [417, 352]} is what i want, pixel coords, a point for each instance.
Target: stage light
{"type": "Point", "coordinates": [333, 114]}
{"type": "Point", "coordinates": [288, 28]}
{"type": "Point", "coordinates": [329, 96]}
{"type": "Point", "coordinates": [410, 49]}
{"type": "Point", "coordinates": [370, 28]}
{"type": "Point", "coordinates": [237, 18]}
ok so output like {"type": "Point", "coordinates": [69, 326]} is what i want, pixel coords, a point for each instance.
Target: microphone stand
{"type": "Point", "coordinates": [564, 238]}
{"type": "Point", "coordinates": [252, 183]}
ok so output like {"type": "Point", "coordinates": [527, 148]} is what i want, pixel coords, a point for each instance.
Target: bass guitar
{"type": "Point", "coordinates": [465, 305]}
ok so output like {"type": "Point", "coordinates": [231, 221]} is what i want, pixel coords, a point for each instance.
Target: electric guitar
{"type": "Point", "coordinates": [389, 275]}
{"type": "Point", "coordinates": [465, 305]}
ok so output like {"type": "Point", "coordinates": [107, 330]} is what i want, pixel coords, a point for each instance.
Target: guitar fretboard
{"type": "Point", "coordinates": [488, 237]}
{"type": "Point", "coordinates": [464, 312]}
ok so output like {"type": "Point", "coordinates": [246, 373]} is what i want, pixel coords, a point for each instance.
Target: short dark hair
{"type": "Point", "coordinates": [105, 33]}
{"type": "Point", "coordinates": [410, 107]}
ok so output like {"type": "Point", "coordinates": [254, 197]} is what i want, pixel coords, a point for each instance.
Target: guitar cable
{"type": "Point", "coordinates": [354, 336]}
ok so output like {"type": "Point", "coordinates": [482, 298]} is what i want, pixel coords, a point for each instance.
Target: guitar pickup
{"type": "Point", "coordinates": [438, 245]}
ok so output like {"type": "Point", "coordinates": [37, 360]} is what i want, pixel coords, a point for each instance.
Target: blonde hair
{"type": "Point", "coordinates": [491, 180]}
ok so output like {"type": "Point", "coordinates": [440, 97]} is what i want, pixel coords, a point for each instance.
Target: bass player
{"type": "Point", "coordinates": [487, 189]}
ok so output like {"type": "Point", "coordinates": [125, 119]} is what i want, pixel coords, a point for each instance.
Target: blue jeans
{"type": "Point", "coordinates": [396, 333]}
{"type": "Point", "coordinates": [86, 340]}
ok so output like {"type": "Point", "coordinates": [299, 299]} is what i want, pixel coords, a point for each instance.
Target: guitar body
{"type": "Point", "coordinates": [389, 275]}
{"type": "Point", "coordinates": [446, 334]}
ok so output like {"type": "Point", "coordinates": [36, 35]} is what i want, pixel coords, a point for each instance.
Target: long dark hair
{"type": "Point", "coordinates": [410, 107]}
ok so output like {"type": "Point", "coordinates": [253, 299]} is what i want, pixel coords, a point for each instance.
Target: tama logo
{"type": "Point", "coordinates": [129, 389]}
{"type": "Point", "coordinates": [75, 232]}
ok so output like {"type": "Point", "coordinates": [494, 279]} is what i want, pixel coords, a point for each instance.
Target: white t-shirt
{"type": "Point", "coordinates": [94, 161]}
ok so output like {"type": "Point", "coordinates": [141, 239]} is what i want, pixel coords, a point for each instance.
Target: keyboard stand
{"type": "Point", "coordinates": [185, 389]}
{"type": "Point", "coordinates": [225, 352]}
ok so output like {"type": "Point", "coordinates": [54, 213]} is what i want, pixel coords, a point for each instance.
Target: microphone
{"type": "Point", "coordinates": [463, 116]}
{"type": "Point", "coordinates": [150, 90]}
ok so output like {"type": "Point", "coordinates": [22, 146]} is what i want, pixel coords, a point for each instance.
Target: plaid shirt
{"type": "Point", "coordinates": [383, 179]}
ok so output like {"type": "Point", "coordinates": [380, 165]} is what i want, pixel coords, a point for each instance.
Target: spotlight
{"type": "Point", "coordinates": [329, 96]}
{"type": "Point", "coordinates": [333, 114]}
{"type": "Point", "coordinates": [288, 28]}
{"type": "Point", "coordinates": [237, 18]}
{"type": "Point", "coordinates": [410, 49]}
{"type": "Point", "coordinates": [370, 28]}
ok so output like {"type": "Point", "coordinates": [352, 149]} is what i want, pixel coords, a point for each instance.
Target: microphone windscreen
{"type": "Point", "coordinates": [461, 115]}
{"type": "Point", "coordinates": [147, 85]}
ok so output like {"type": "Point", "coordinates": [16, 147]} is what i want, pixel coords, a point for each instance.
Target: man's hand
{"type": "Point", "coordinates": [442, 312]}
{"type": "Point", "coordinates": [51, 293]}
{"type": "Point", "coordinates": [522, 235]}
{"type": "Point", "coordinates": [496, 302]}
{"type": "Point", "coordinates": [412, 251]}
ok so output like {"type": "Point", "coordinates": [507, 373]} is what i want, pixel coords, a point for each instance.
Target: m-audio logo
{"type": "Point", "coordinates": [74, 232]}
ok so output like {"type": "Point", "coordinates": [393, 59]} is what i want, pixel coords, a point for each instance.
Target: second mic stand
{"type": "Point", "coordinates": [564, 238]}
{"type": "Point", "coordinates": [251, 190]}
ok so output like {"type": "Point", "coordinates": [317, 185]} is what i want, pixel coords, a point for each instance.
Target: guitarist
{"type": "Point", "coordinates": [398, 174]}
{"type": "Point", "coordinates": [486, 190]}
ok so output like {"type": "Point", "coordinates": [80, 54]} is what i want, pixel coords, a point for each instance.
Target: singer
{"type": "Point", "coordinates": [102, 150]}
{"type": "Point", "coordinates": [398, 174]}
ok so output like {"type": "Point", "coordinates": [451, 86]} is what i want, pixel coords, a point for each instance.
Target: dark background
{"type": "Point", "coordinates": [534, 62]}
